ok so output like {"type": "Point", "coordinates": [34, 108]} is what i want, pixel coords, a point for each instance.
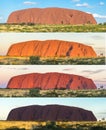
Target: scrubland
{"type": "Point", "coordinates": [28, 125]}
{"type": "Point", "coordinates": [51, 93]}
{"type": "Point", "coordinates": [35, 60]}
{"type": "Point", "coordinates": [52, 28]}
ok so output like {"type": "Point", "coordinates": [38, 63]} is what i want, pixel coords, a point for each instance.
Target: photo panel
{"type": "Point", "coordinates": [53, 81]}
{"type": "Point", "coordinates": [53, 113]}
{"type": "Point", "coordinates": [52, 48]}
{"type": "Point", "coordinates": [53, 16]}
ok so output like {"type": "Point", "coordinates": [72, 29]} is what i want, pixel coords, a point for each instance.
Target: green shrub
{"type": "Point", "coordinates": [34, 60]}
{"type": "Point", "coordinates": [1, 63]}
{"type": "Point", "coordinates": [15, 128]}
{"type": "Point", "coordinates": [30, 24]}
{"type": "Point", "coordinates": [97, 128]}
{"type": "Point", "coordinates": [1, 95]}
{"type": "Point", "coordinates": [104, 23]}
{"type": "Point", "coordinates": [50, 124]}
{"type": "Point", "coordinates": [52, 93]}
{"type": "Point", "coordinates": [39, 127]}
{"type": "Point", "coordinates": [34, 92]}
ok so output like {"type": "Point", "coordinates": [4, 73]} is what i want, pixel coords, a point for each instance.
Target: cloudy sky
{"type": "Point", "coordinates": [96, 105]}
{"type": "Point", "coordinates": [96, 73]}
{"type": "Point", "coordinates": [96, 7]}
{"type": "Point", "coordinates": [96, 40]}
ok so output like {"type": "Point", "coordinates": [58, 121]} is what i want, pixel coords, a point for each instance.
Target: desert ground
{"type": "Point", "coordinates": [8, 60]}
{"type": "Point", "coordinates": [51, 93]}
{"type": "Point", "coordinates": [52, 28]}
{"type": "Point", "coordinates": [28, 125]}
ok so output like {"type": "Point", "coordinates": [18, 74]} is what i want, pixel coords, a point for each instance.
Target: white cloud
{"type": "Point", "coordinates": [29, 3]}
{"type": "Point", "coordinates": [82, 5]}
{"type": "Point", "coordinates": [89, 12]}
{"type": "Point", "coordinates": [99, 16]}
{"type": "Point", "coordinates": [75, 0]}
{"type": "Point", "coordinates": [101, 3]}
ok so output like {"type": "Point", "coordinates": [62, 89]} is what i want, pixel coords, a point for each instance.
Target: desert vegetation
{"type": "Point", "coordinates": [14, 92]}
{"type": "Point", "coordinates": [30, 27]}
{"type": "Point", "coordinates": [51, 93]}
{"type": "Point", "coordinates": [36, 60]}
{"type": "Point", "coordinates": [51, 125]}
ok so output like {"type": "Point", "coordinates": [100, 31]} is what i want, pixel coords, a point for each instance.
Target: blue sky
{"type": "Point", "coordinates": [96, 7]}
{"type": "Point", "coordinates": [96, 105]}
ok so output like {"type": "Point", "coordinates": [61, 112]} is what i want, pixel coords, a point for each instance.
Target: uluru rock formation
{"type": "Point", "coordinates": [51, 48]}
{"type": "Point", "coordinates": [51, 16]}
{"type": "Point", "coordinates": [50, 113]}
{"type": "Point", "coordinates": [51, 81]}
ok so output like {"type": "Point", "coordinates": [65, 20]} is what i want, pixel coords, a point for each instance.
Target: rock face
{"type": "Point", "coordinates": [51, 81]}
{"type": "Point", "coordinates": [51, 48]}
{"type": "Point", "coordinates": [50, 113]}
{"type": "Point", "coordinates": [51, 16]}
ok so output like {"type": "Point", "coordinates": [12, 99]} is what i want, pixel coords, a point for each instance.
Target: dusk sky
{"type": "Point", "coordinates": [95, 72]}
{"type": "Point", "coordinates": [95, 7]}
{"type": "Point", "coordinates": [96, 40]}
{"type": "Point", "coordinates": [96, 105]}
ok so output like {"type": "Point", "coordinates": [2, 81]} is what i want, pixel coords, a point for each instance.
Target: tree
{"type": "Point", "coordinates": [103, 119]}
{"type": "Point", "coordinates": [101, 54]}
{"type": "Point", "coordinates": [101, 87]}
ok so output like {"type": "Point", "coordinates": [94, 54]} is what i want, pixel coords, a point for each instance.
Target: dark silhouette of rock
{"type": "Point", "coordinates": [51, 81]}
{"type": "Point", "coordinates": [51, 16]}
{"type": "Point", "coordinates": [50, 113]}
{"type": "Point", "coordinates": [51, 48]}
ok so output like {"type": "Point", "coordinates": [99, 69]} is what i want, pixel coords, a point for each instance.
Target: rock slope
{"type": "Point", "coordinates": [51, 48]}
{"type": "Point", "coordinates": [51, 16]}
{"type": "Point", "coordinates": [50, 113]}
{"type": "Point", "coordinates": [53, 80]}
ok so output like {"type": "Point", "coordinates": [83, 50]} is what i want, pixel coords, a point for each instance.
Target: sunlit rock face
{"type": "Point", "coordinates": [51, 16]}
{"type": "Point", "coordinates": [50, 80]}
{"type": "Point", "coordinates": [51, 48]}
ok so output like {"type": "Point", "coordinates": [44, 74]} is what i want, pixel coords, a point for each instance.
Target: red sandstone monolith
{"type": "Point", "coordinates": [51, 16]}
{"type": "Point", "coordinates": [50, 113]}
{"type": "Point", "coordinates": [52, 80]}
{"type": "Point", "coordinates": [51, 48]}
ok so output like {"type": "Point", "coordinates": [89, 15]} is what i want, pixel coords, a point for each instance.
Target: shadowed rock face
{"type": "Point", "coordinates": [51, 48]}
{"type": "Point", "coordinates": [50, 113]}
{"type": "Point", "coordinates": [51, 81]}
{"type": "Point", "coordinates": [51, 16]}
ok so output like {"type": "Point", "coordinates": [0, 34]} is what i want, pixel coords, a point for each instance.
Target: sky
{"type": "Point", "coordinates": [96, 40]}
{"type": "Point", "coordinates": [95, 7]}
{"type": "Point", "coordinates": [96, 105]}
{"type": "Point", "coordinates": [95, 72]}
